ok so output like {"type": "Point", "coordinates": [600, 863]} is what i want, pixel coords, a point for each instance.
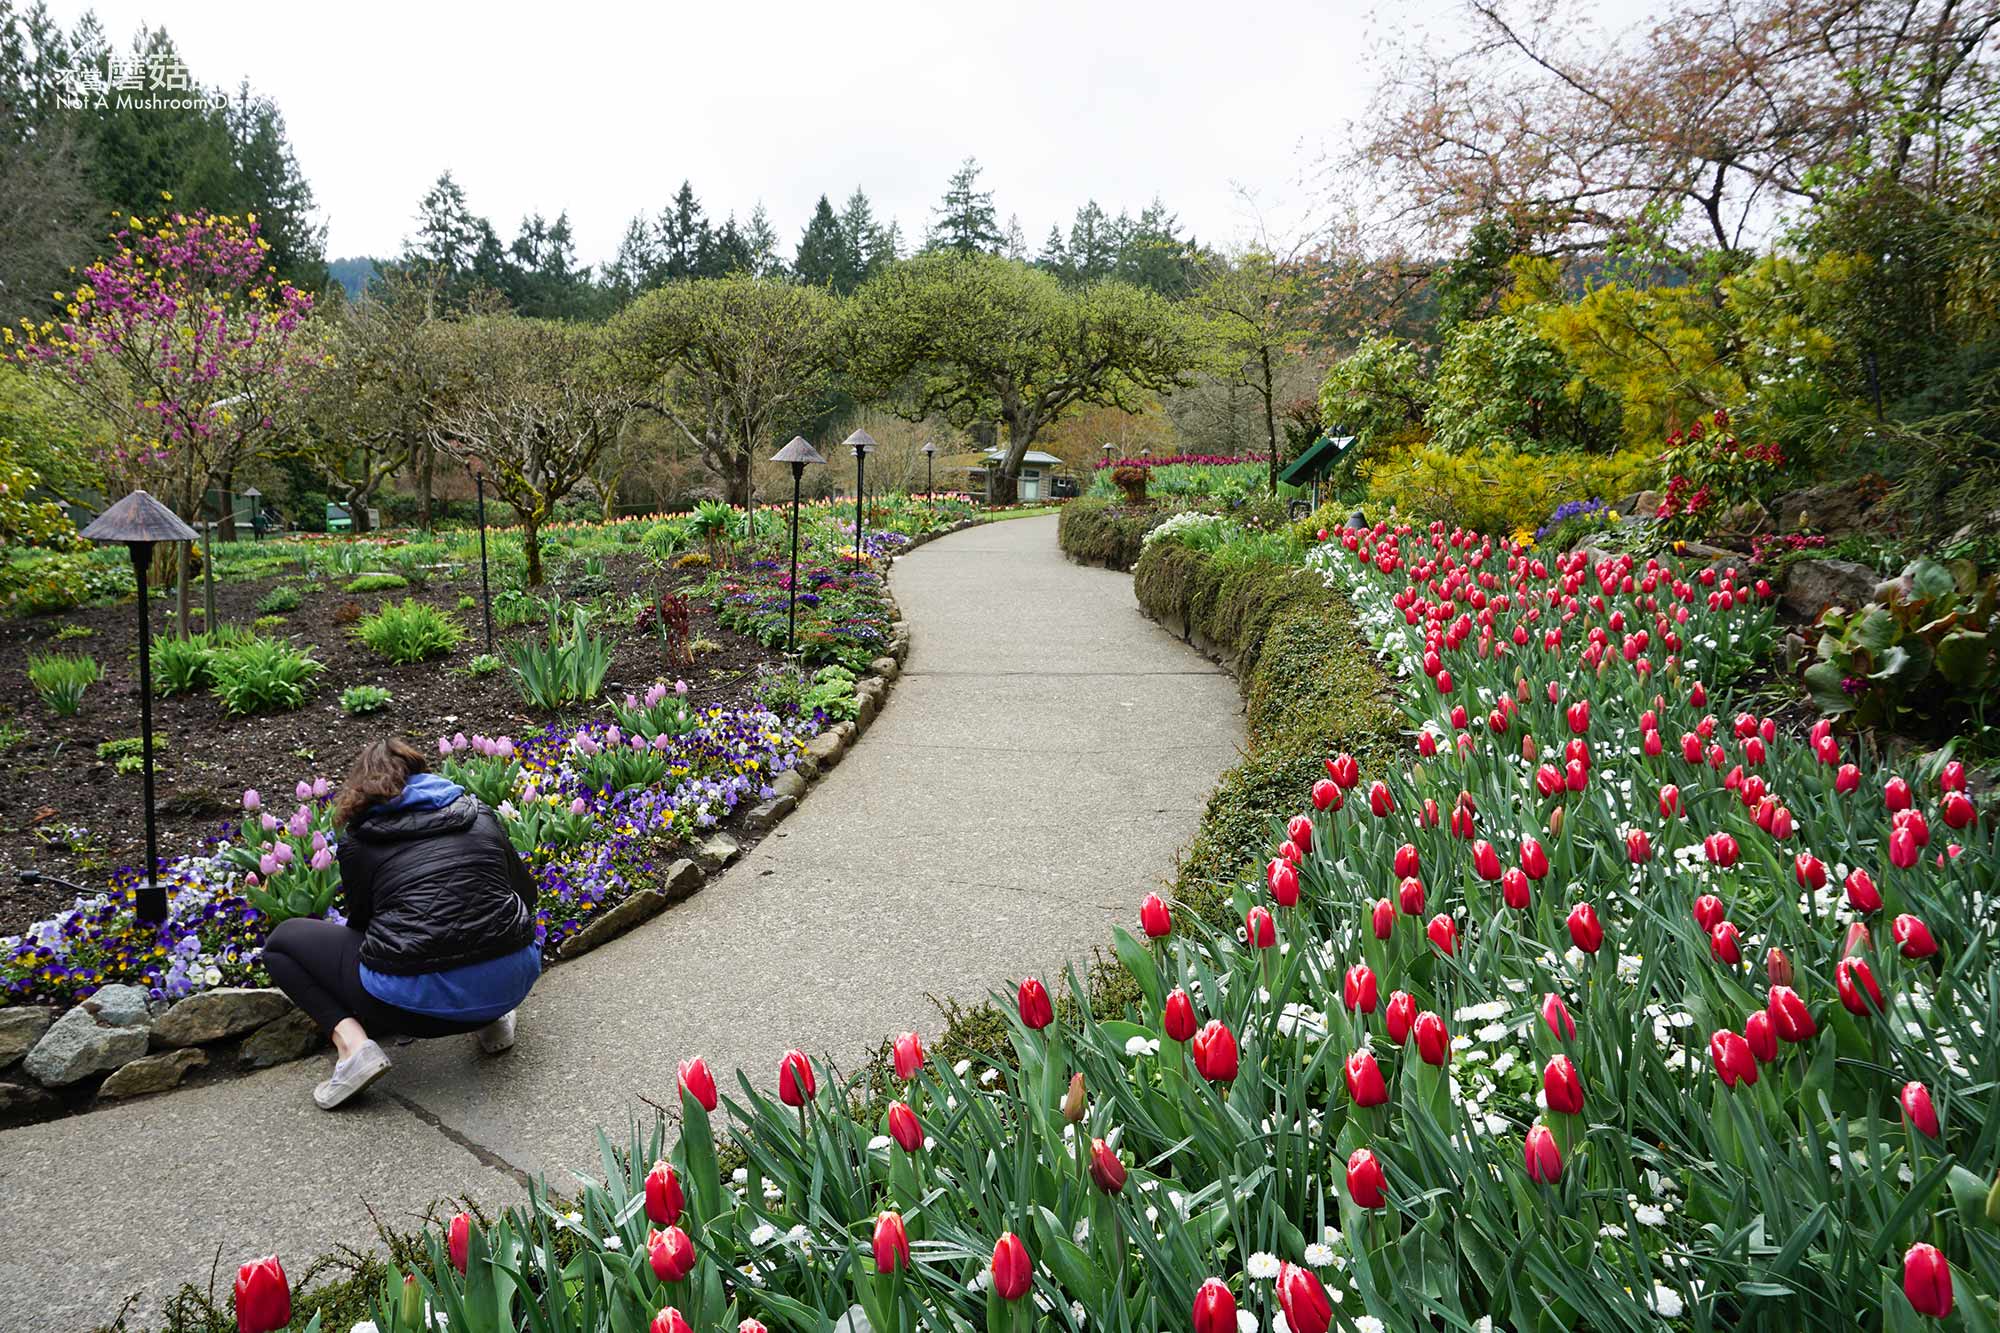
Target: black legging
{"type": "Point", "coordinates": [318, 964]}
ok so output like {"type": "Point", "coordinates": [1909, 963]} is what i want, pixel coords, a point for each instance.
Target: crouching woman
{"type": "Point", "coordinates": [440, 931]}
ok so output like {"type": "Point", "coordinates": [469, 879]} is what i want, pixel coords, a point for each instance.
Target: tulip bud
{"type": "Point", "coordinates": [1862, 894]}
{"type": "Point", "coordinates": [668, 1320]}
{"type": "Point", "coordinates": [1959, 812]}
{"type": "Point", "coordinates": [698, 1083]}
{"type": "Point", "coordinates": [1380, 801]}
{"type": "Point", "coordinates": [1855, 982]}
{"type": "Point", "coordinates": [1410, 896]}
{"type": "Point", "coordinates": [1544, 1158]}
{"type": "Point", "coordinates": [1709, 911]}
{"type": "Point", "coordinates": [1259, 930]}
{"type": "Point", "coordinates": [1407, 861]}
{"type": "Point", "coordinates": [1555, 822]}
{"type": "Point", "coordinates": [1303, 1300]}
{"type": "Point", "coordinates": [1914, 937]}
{"type": "Point", "coordinates": [1033, 1003]}
{"type": "Point", "coordinates": [1107, 1172]}
{"type": "Point", "coordinates": [1584, 930]}
{"type": "Point", "coordinates": [1326, 793]}
{"type": "Point", "coordinates": [263, 1296]}
{"type": "Point", "coordinates": [1846, 779]}
{"type": "Point", "coordinates": [1638, 846]}
{"type": "Point", "coordinates": [1214, 1308]}
{"type": "Point", "coordinates": [1358, 989]}
{"type": "Point", "coordinates": [671, 1254]}
{"type": "Point", "coordinates": [1214, 1050]}
{"type": "Point", "coordinates": [1761, 1036]}
{"type": "Point", "coordinates": [1896, 794]}
{"type": "Point", "coordinates": [1073, 1102]}
{"type": "Point", "coordinates": [664, 1199]}
{"type": "Point", "coordinates": [1562, 1087]}
{"type": "Point", "coordinates": [1734, 1061]}
{"type": "Point", "coordinates": [905, 1128]}
{"type": "Point", "coordinates": [1927, 1280]}
{"type": "Point", "coordinates": [1364, 1080]}
{"type": "Point", "coordinates": [1384, 922]}
{"type": "Point", "coordinates": [1400, 1015]}
{"type": "Point", "coordinates": [1013, 1274]}
{"type": "Point", "coordinates": [1154, 918]}
{"type": "Point", "coordinates": [1433, 1041]}
{"type": "Point", "coordinates": [1916, 1102]}
{"type": "Point", "coordinates": [1555, 1014]}
{"type": "Point", "coordinates": [1366, 1184]}
{"type": "Point", "coordinates": [1284, 881]}
{"type": "Point", "coordinates": [1514, 890]}
{"type": "Point", "coordinates": [1443, 932]}
{"type": "Point", "coordinates": [1177, 1020]}
{"type": "Point", "coordinates": [1725, 944]}
{"type": "Point", "coordinates": [892, 1243]}
{"type": "Point", "coordinates": [796, 1084]}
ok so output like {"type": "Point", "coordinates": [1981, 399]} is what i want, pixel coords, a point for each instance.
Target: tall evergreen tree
{"type": "Point", "coordinates": [1093, 244]}
{"type": "Point", "coordinates": [886, 247]}
{"type": "Point", "coordinates": [859, 242]}
{"type": "Point", "coordinates": [966, 222]}
{"type": "Point", "coordinates": [822, 256]}
{"type": "Point", "coordinates": [683, 235]}
{"type": "Point", "coordinates": [1153, 254]}
{"type": "Point", "coordinates": [725, 251]}
{"type": "Point", "coordinates": [637, 267]}
{"type": "Point", "coordinates": [1054, 257]}
{"type": "Point", "coordinates": [762, 239]}
{"type": "Point", "coordinates": [1015, 247]}
{"type": "Point", "coordinates": [447, 233]}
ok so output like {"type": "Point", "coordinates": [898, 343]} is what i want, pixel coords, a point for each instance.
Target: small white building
{"type": "Point", "coordinates": [1037, 470]}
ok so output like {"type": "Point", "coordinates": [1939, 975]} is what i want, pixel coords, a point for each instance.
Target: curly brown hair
{"type": "Point", "coordinates": [377, 774]}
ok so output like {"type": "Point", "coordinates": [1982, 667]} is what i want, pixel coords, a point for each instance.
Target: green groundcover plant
{"type": "Point", "coordinates": [1610, 1006]}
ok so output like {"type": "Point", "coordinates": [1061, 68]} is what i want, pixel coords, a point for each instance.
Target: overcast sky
{"type": "Point", "coordinates": [602, 109]}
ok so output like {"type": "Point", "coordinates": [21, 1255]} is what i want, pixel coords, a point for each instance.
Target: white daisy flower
{"type": "Point", "coordinates": [1318, 1255]}
{"type": "Point", "coordinates": [1263, 1266]}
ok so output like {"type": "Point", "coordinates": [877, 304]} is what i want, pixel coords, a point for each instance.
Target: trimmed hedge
{"type": "Point", "coordinates": [1313, 690]}
{"type": "Point", "coordinates": [1105, 532]}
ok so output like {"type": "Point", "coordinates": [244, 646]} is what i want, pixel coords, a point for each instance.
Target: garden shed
{"type": "Point", "coordinates": [1037, 477]}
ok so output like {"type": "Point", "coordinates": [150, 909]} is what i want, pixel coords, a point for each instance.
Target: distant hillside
{"type": "Point", "coordinates": [354, 273]}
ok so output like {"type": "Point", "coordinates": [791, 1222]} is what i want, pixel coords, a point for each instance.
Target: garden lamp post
{"type": "Point", "coordinates": [485, 584]}
{"type": "Point", "coordinates": [1107, 453]}
{"type": "Point", "coordinates": [208, 576]}
{"type": "Point", "coordinates": [930, 457]}
{"type": "Point", "coordinates": [863, 444]}
{"type": "Point", "coordinates": [798, 453]}
{"type": "Point", "coordinates": [256, 499]}
{"type": "Point", "coordinates": [139, 520]}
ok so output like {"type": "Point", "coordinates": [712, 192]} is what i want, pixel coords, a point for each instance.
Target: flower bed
{"type": "Point", "coordinates": [1705, 1046]}
{"type": "Point", "coordinates": [588, 844]}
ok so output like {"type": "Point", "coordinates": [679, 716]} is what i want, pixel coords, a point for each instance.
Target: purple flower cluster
{"type": "Point", "coordinates": [1567, 510]}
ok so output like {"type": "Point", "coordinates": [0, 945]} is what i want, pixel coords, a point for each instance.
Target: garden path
{"type": "Point", "coordinates": [1044, 752]}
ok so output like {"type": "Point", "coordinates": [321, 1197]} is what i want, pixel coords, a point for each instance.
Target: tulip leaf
{"type": "Point", "coordinates": [1076, 1271]}
{"type": "Point", "coordinates": [1139, 962]}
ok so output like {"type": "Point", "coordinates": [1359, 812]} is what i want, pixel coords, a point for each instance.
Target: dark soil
{"type": "Point", "coordinates": [66, 812]}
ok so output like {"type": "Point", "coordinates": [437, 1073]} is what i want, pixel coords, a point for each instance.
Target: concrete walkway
{"type": "Point", "coordinates": [1045, 753]}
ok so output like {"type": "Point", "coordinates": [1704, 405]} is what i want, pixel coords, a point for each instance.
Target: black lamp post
{"type": "Point", "coordinates": [863, 444]}
{"type": "Point", "coordinates": [139, 520]}
{"type": "Point", "coordinates": [256, 499]}
{"type": "Point", "coordinates": [485, 584]}
{"type": "Point", "coordinates": [930, 456]}
{"type": "Point", "coordinates": [798, 453]}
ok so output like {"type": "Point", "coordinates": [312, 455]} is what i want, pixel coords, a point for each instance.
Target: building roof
{"type": "Point", "coordinates": [1032, 456]}
{"type": "Point", "coordinates": [1317, 460]}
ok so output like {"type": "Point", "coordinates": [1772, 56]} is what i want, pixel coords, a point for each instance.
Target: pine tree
{"type": "Point", "coordinates": [822, 255]}
{"type": "Point", "coordinates": [447, 234]}
{"type": "Point", "coordinates": [727, 251]}
{"type": "Point", "coordinates": [683, 235]}
{"type": "Point", "coordinates": [886, 247]}
{"type": "Point", "coordinates": [966, 221]}
{"type": "Point", "coordinates": [858, 242]}
{"type": "Point", "coordinates": [637, 267]}
{"type": "Point", "coordinates": [762, 239]}
{"type": "Point", "coordinates": [1054, 257]}
{"type": "Point", "coordinates": [1016, 245]}
{"type": "Point", "coordinates": [1152, 254]}
{"type": "Point", "coordinates": [1093, 250]}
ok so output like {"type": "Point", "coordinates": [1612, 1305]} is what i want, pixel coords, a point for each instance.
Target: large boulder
{"type": "Point", "coordinates": [105, 1031]}
{"type": "Point", "coordinates": [1814, 585]}
{"type": "Point", "coordinates": [215, 1014]}
{"type": "Point", "coordinates": [151, 1073]}
{"type": "Point", "coordinates": [1833, 508]}
{"type": "Point", "coordinates": [21, 1026]}
{"type": "Point", "coordinates": [281, 1039]}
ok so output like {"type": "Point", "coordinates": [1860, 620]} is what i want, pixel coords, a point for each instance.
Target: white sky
{"type": "Point", "coordinates": [602, 108]}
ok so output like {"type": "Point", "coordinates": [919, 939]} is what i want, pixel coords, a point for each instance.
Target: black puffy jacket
{"type": "Point", "coordinates": [432, 889]}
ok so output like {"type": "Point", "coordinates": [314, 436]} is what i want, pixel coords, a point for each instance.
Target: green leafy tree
{"type": "Point", "coordinates": [733, 362]}
{"type": "Point", "coordinates": [1500, 381]}
{"type": "Point", "coordinates": [1259, 306]}
{"type": "Point", "coordinates": [966, 221]}
{"type": "Point", "coordinates": [978, 338]}
{"type": "Point", "coordinates": [1377, 392]}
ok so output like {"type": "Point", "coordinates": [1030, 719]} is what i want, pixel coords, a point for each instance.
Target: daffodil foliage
{"type": "Point", "coordinates": [1616, 1006]}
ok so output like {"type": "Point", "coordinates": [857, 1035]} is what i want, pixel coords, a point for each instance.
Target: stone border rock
{"type": "Point", "coordinates": [142, 1049]}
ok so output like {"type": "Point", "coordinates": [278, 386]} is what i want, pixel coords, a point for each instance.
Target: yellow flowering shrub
{"type": "Point", "coordinates": [1497, 489]}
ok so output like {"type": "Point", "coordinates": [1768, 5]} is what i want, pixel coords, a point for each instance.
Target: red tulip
{"type": "Point", "coordinates": [1178, 1019]}
{"type": "Point", "coordinates": [1433, 1042]}
{"type": "Point", "coordinates": [1896, 794]}
{"type": "Point", "coordinates": [1300, 831]}
{"type": "Point", "coordinates": [1380, 801]}
{"type": "Point", "coordinates": [1638, 846]}
{"type": "Point", "coordinates": [1410, 896]}
{"type": "Point", "coordinates": [1214, 1049]}
{"type": "Point", "coordinates": [1514, 889]}
{"type": "Point", "coordinates": [664, 1199]}
{"type": "Point", "coordinates": [1358, 989]}
{"type": "Point", "coordinates": [1443, 932]}
{"type": "Point", "coordinates": [1154, 918]}
{"type": "Point", "coordinates": [1578, 715]}
{"type": "Point", "coordinates": [1012, 1273]}
{"type": "Point", "coordinates": [1734, 1061]}
{"type": "Point", "coordinates": [263, 1296]}
{"type": "Point", "coordinates": [1384, 919]}
{"type": "Point", "coordinates": [1259, 930]}
{"type": "Point", "coordinates": [698, 1083]}
{"type": "Point", "coordinates": [1584, 931]}
{"type": "Point", "coordinates": [1855, 982]}
{"type": "Point", "coordinates": [1366, 1184]}
{"type": "Point", "coordinates": [1952, 778]}
{"type": "Point", "coordinates": [1903, 848]}
{"type": "Point", "coordinates": [1544, 1158]}
{"type": "Point", "coordinates": [1777, 967]}
{"type": "Point", "coordinates": [904, 1127]}
{"type": "Point", "coordinates": [1914, 936]}
{"type": "Point", "coordinates": [1214, 1308]}
{"type": "Point", "coordinates": [671, 1254]}
{"type": "Point", "coordinates": [458, 1240]}
{"type": "Point", "coordinates": [1857, 941]}
{"type": "Point", "coordinates": [1326, 794]}
{"type": "Point", "coordinates": [1284, 881]}
{"type": "Point", "coordinates": [1555, 1014]}
{"type": "Point", "coordinates": [1725, 943]}
{"type": "Point", "coordinates": [1720, 849]}
{"type": "Point", "coordinates": [1670, 801]}
{"type": "Point", "coordinates": [1399, 1015]}
{"type": "Point", "coordinates": [1364, 1080]}
{"type": "Point", "coordinates": [670, 1320]}
{"type": "Point", "coordinates": [1927, 1280]}
{"type": "Point", "coordinates": [1407, 860]}
{"type": "Point", "coordinates": [1033, 1004]}
{"type": "Point", "coordinates": [1846, 779]}
{"type": "Point", "coordinates": [1761, 1036]}
{"type": "Point", "coordinates": [1342, 769]}
{"type": "Point", "coordinates": [1562, 1086]}
{"type": "Point", "coordinates": [909, 1056]}
{"type": "Point", "coordinates": [1959, 812]}
{"type": "Point", "coordinates": [796, 1084]}
{"type": "Point", "coordinates": [1106, 1170]}
{"type": "Point", "coordinates": [1789, 1015]}
{"type": "Point", "coordinates": [1463, 819]}
{"type": "Point", "coordinates": [1303, 1300]}
{"type": "Point", "coordinates": [1809, 871]}
{"type": "Point", "coordinates": [1485, 860]}
{"type": "Point", "coordinates": [1709, 911]}
{"type": "Point", "coordinates": [1916, 1100]}
{"type": "Point", "coordinates": [1862, 894]}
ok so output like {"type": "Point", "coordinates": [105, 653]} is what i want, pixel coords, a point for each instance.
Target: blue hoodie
{"type": "Point", "coordinates": [475, 993]}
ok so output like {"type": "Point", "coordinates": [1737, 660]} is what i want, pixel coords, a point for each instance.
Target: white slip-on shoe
{"type": "Point", "coordinates": [357, 1071]}
{"type": "Point", "coordinates": [498, 1035]}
